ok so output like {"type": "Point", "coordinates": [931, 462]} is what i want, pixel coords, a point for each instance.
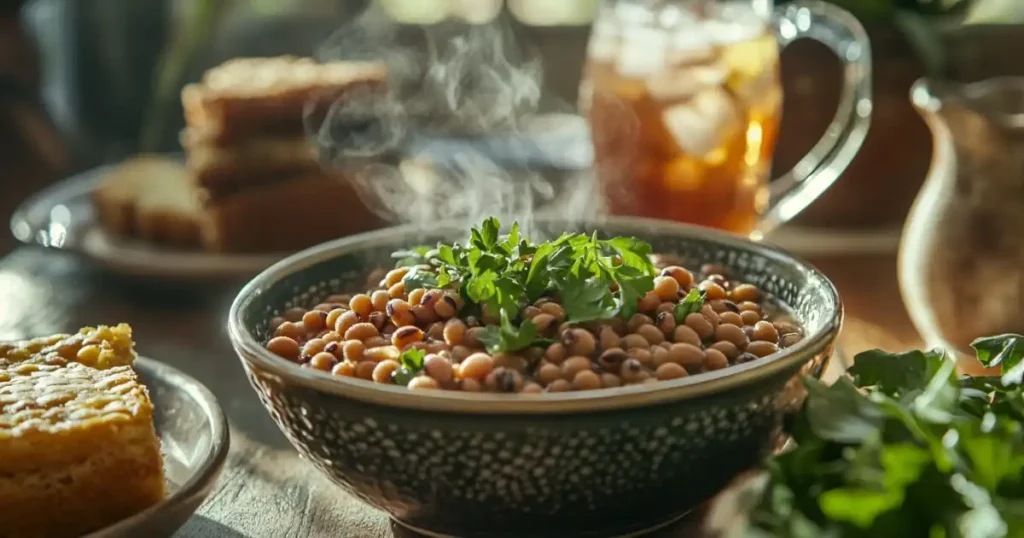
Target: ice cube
{"type": "Point", "coordinates": [553, 13]}
{"type": "Point", "coordinates": [683, 82]}
{"type": "Point", "coordinates": [475, 11]}
{"type": "Point", "coordinates": [691, 45]}
{"type": "Point", "coordinates": [604, 42]}
{"type": "Point", "coordinates": [701, 125]}
{"type": "Point", "coordinates": [642, 52]}
{"type": "Point", "coordinates": [416, 11]}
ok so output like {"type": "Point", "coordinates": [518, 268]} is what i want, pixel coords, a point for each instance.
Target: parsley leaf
{"type": "Point", "coordinates": [693, 302]}
{"type": "Point", "coordinates": [411, 364]}
{"type": "Point", "coordinates": [1005, 350]}
{"type": "Point", "coordinates": [894, 373]}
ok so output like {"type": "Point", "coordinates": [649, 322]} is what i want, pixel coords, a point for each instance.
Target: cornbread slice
{"type": "Point", "coordinates": [151, 197]}
{"type": "Point", "coordinates": [223, 170]}
{"type": "Point", "coordinates": [294, 213]}
{"type": "Point", "coordinates": [267, 95]}
{"type": "Point", "coordinates": [78, 450]}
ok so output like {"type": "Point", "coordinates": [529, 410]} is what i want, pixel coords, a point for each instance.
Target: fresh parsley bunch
{"type": "Point", "coordinates": [903, 447]}
{"type": "Point", "coordinates": [594, 278]}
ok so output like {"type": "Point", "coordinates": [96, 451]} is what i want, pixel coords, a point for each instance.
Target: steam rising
{"type": "Point", "coordinates": [452, 136]}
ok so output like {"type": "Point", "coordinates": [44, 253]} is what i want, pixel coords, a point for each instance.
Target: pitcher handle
{"type": "Point", "coordinates": [840, 31]}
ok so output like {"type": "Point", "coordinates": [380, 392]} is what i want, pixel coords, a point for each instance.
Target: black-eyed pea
{"type": "Point", "coordinates": [634, 341]}
{"type": "Point", "coordinates": [400, 313]}
{"type": "Point", "coordinates": [637, 321]}
{"type": "Point", "coordinates": [666, 322]}
{"type": "Point", "coordinates": [395, 276]}
{"type": "Point", "coordinates": [361, 331]}
{"type": "Point", "coordinates": [377, 341]}
{"type": "Point", "coordinates": [553, 309]}
{"type": "Point", "coordinates": [294, 315]}
{"type": "Point", "coordinates": [718, 305]}
{"type": "Point", "coordinates": [649, 302]}
{"type": "Point", "coordinates": [454, 332]}
{"type": "Point", "coordinates": [503, 380]}
{"type": "Point", "coordinates": [586, 380]}
{"type": "Point", "coordinates": [609, 380]}
{"type": "Point", "coordinates": [666, 288]}
{"type": "Point", "coordinates": [446, 308]}
{"type": "Point", "coordinates": [382, 372]}
{"type": "Point", "coordinates": [652, 334]}
{"type": "Point", "coordinates": [353, 350]}
{"type": "Point", "coordinates": [436, 346]}
{"type": "Point", "coordinates": [344, 368]}
{"type": "Point", "coordinates": [416, 296]}
{"type": "Point", "coordinates": [290, 329]}
{"type": "Point", "coordinates": [611, 359]}
{"type": "Point", "coordinates": [476, 366]}
{"type": "Point", "coordinates": [339, 298]}
{"type": "Point", "coordinates": [435, 331]}
{"type": "Point", "coordinates": [785, 327]}
{"type": "Point", "coordinates": [711, 315]}
{"type": "Point", "coordinates": [382, 353]}
{"type": "Point", "coordinates": [715, 360]}
{"type": "Point", "coordinates": [534, 354]}
{"type": "Point", "coordinates": [669, 306]}
{"type": "Point", "coordinates": [682, 276]}
{"type": "Point", "coordinates": [405, 336]}
{"type": "Point", "coordinates": [460, 353]}
{"type": "Point", "coordinates": [472, 337]}
{"type": "Point", "coordinates": [345, 320]}
{"type": "Point", "coordinates": [607, 338]}
{"type": "Point", "coordinates": [574, 365]}
{"type": "Point", "coordinates": [712, 291]}
{"type": "Point", "coordinates": [470, 385]}
{"type": "Point", "coordinates": [380, 300]}
{"type": "Point", "coordinates": [439, 368]}
{"type": "Point", "coordinates": [765, 331]}
{"type": "Point", "coordinates": [313, 346]}
{"type": "Point", "coordinates": [529, 312]}
{"type": "Point", "coordinates": [745, 292]}
{"type": "Point", "coordinates": [544, 322]}
{"type": "Point", "coordinates": [548, 373]}
{"type": "Point", "coordinates": [790, 340]}
{"type": "Point", "coordinates": [618, 325]}
{"type": "Point", "coordinates": [431, 298]}
{"type": "Point", "coordinates": [378, 320]}
{"type": "Point", "coordinates": [510, 361]}
{"type": "Point", "coordinates": [727, 348]}
{"type": "Point", "coordinates": [748, 306]}
{"type": "Point", "coordinates": [670, 370]}
{"type": "Point", "coordinates": [731, 333]}
{"type": "Point", "coordinates": [762, 348]}
{"type": "Point", "coordinates": [424, 382]}
{"type": "Point", "coordinates": [556, 353]}
{"type": "Point", "coordinates": [745, 358]}
{"type": "Point", "coordinates": [659, 356]}
{"type": "Point", "coordinates": [275, 323]}
{"type": "Point", "coordinates": [731, 318]}
{"type": "Point", "coordinates": [364, 370]}
{"type": "Point", "coordinates": [632, 371]}
{"type": "Point", "coordinates": [531, 388]}
{"type": "Point", "coordinates": [361, 304]}
{"type": "Point", "coordinates": [684, 334]}
{"type": "Point", "coordinates": [579, 342]}
{"type": "Point", "coordinates": [397, 291]}
{"type": "Point", "coordinates": [314, 321]}
{"type": "Point", "coordinates": [559, 385]}
{"type": "Point", "coordinates": [700, 325]}
{"type": "Point", "coordinates": [284, 346]}
{"type": "Point", "coordinates": [688, 356]}
{"type": "Point", "coordinates": [644, 356]}
{"type": "Point", "coordinates": [424, 315]}
{"type": "Point", "coordinates": [334, 348]}
{"type": "Point", "coordinates": [750, 317]}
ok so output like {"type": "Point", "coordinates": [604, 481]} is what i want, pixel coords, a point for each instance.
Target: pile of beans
{"type": "Point", "coordinates": [364, 335]}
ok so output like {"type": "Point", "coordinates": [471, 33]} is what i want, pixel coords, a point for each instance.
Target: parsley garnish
{"type": "Point", "coordinates": [905, 447]}
{"type": "Point", "coordinates": [693, 302]}
{"type": "Point", "coordinates": [503, 273]}
{"type": "Point", "coordinates": [411, 364]}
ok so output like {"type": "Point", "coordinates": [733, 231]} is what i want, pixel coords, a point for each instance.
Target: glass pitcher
{"type": "Point", "coordinates": [961, 264]}
{"type": "Point", "coordinates": [684, 100]}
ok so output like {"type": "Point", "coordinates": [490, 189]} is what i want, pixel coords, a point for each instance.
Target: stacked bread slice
{"type": "Point", "coordinates": [252, 181]}
{"type": "Point", "coordinates": [257, 176]}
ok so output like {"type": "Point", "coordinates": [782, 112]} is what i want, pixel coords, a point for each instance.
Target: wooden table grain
{"type": "Point", "coordinates": [266, 490]}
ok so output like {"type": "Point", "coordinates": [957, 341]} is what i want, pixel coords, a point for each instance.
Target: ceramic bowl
{"type": "Point", "coordinates": [610, 462]}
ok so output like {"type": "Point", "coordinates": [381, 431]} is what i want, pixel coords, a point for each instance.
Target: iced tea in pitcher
{"type": "Point", "coordinates": [684, 100]}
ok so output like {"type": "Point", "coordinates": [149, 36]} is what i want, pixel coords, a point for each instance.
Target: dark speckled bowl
{"type": "Point", "coordinates": [610, 462]}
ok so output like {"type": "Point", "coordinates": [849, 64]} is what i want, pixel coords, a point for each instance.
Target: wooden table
{"type": "Point", "coordinates": [265, 489]}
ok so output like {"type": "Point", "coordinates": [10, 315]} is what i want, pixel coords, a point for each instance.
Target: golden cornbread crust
{"type": "Point", "coordinates": [78, 450]}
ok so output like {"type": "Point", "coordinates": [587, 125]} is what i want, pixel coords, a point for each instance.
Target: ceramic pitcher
{"type": "Point", "coordinates": [961, 264]}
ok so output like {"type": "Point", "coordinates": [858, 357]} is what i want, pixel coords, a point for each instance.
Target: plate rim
{"type": "Point", "coordinates": [201, 483]}
{"type": "Point", "coordinates": [96, 245]}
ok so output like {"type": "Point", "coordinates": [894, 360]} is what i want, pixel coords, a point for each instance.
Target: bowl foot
{"type": "Point", "coordinates": [415, 531]}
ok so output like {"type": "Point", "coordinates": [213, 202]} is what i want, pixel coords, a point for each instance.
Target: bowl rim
{"type": "Point", "coordinates": [199, 484]}
{"type": "Point", "coordinates": [253, 354]}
